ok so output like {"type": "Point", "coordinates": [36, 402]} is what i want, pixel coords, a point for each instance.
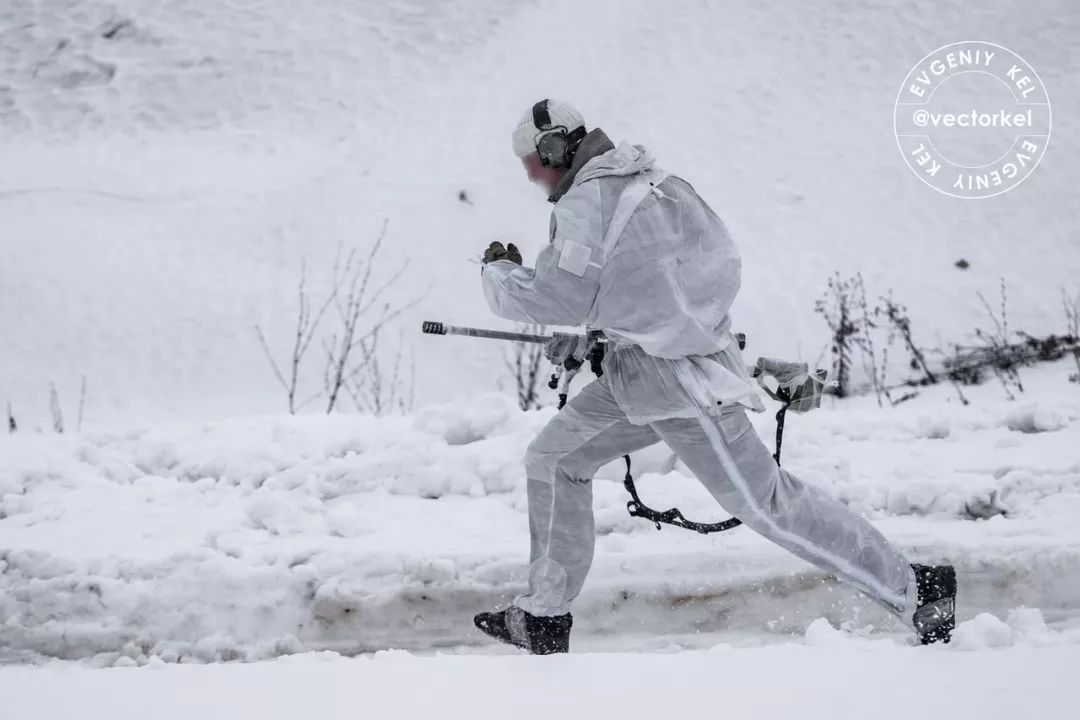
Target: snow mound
{"type": "Point", "coordinates": [1022, 626]}
{"type": "Point", "coordinates": [253, 537]}
{"type": "Point", "coordinates": [1035, 418]}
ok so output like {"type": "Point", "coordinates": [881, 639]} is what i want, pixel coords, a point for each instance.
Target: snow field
{"type": "Point", "coordinates": [150, 221]}
{"type": "Point", "coordinates": [256, 537]}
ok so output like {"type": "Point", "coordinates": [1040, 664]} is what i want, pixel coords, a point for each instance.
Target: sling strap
{"type": "Point", "coordinates": [637, 508]}
{"type": "Point", "coordinates": [632, 196]}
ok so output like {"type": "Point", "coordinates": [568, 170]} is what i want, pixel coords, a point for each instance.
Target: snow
{"type": "Point", "coordinates": [188, 551]}
{"type": "Point", "coordinates": [151, 221]}
{"type": "Point", "coordinates": [828, 675]}
{"type": "Point", "coordinates": [256, 537]}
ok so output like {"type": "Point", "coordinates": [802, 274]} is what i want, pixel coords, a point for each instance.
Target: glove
{"type": "Point", "coordinates": [568, 349]}
{"type": "Point", "coordinates": [796, 387]}
{"type": "Point", "coordinates": [496, 251]}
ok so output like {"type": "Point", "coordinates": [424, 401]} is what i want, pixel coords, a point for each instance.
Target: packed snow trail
{"type": "Point", "coordinates": [992, 671]}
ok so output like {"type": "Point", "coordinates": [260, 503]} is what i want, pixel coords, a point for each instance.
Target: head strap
{"type": "Point", "coordinates": [541, 117]}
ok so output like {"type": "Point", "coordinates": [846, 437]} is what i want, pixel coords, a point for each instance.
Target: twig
{"type": "Point", "coordinates": [901, 323]}
{"type": "Point", "coordinates": [370, 392]}
{"type": "Point", "coordinates": [54, 407]}
{"type": "Point", "coordinates": [845, 331]}
{"type": "Point", "coordinates": [523, 362]}
{"type": "Point", "coordinates": [82, 404]}
{"type": "Point", "coordinates": [306, 327]}
{"type": "Point", "coordinates": [870, 355]}
{"type": "Point", "coordinates": [1072, 320]}
{"type": "Point", "coordinates": [364, 380]}
{"type": "Point", "coordinates": [1004, 363]}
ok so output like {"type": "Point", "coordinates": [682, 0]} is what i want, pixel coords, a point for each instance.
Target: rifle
{"type": "Point", "coordinates": [561, 382]}
{"type": "Point", "coordinates": [431, 327]}
{"type": "Point", "coordinates": [560, 379]}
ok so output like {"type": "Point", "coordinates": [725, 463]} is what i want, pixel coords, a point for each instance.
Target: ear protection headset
{"type": "Point", "coordinates": [555, 144]}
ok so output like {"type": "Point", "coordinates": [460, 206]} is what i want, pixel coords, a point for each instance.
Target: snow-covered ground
{"type": "Point", "coordinates": [826, 675]}
{"type": "Point", "coordinates": [252, 538]}
{"type": "Point", "coordinates": [247, 540]}
{"type": "Point", "coordinates": [166, 166]}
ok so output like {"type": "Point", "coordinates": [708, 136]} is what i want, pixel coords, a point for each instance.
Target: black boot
{"type": "Point", "coordinates": [539, 635]}
{"type": "Point", "coordinates": [935, 618]}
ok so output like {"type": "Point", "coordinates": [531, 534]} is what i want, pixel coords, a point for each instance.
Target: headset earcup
{"type": "Point", "coordinates": [553, 149]}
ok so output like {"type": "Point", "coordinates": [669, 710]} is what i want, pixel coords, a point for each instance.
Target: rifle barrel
{"type": "Point", "coordinates": [432, 327]}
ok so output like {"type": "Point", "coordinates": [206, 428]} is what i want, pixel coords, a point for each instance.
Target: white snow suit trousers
{"type": "Point", "coordinates": [726, 455]}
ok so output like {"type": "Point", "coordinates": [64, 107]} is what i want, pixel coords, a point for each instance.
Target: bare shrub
{"type": "Point", "coordinates": [900, 326]}
{"type": "Point", "coordinates": [361, 316]}
{"type": "Point", "coordinates": [838, 309]}
{"type": "Point", "coordinates": [1004, 363]}
{"type": "Point", "coordinates": [1072, 327]}
{"type": "Point", "coordinates": [371, 389]}
{"type": "Point", "coordinates": [523, 362]}
{"type": "Point", "coordinates": [1003, 351]}
{"type": "Point", "coordinates": [307, 324]}
{"type": "Point", "coordinates": [352, 365]}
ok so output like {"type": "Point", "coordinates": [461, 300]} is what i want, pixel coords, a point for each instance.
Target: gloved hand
{"type": "Point", "coordinates": [795, 385]}
{"type": "Point", "coordinates": [568, 349]}
{"type": "Point", "coordinates": [496, 251]}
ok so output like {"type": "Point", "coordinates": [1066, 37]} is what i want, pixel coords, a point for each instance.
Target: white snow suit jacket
{"type": "Point", "coordinates": [636, 253]}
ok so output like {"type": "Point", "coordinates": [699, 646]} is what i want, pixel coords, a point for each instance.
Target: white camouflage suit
{"type": "Point", "coordinates": [636, 253]}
